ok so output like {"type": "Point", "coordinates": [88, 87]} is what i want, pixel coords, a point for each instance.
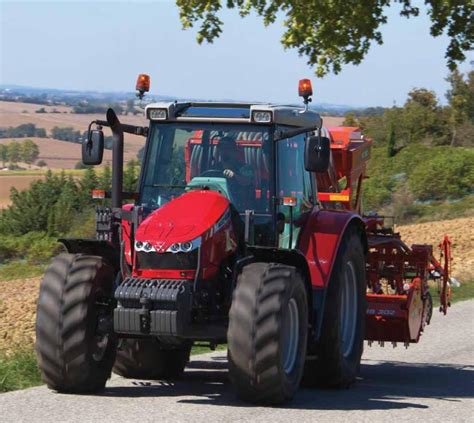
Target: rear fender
{"type": "Point", "coordinates": [320, 239]}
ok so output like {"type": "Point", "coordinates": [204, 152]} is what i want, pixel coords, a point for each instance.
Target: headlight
{"type": "Point", "coordinates": [158, 114]}
{"type": "Point", "coordinates": [261, 117]}
{"type": "Point", "coordinates": [144, 246]}
{"type": "Point", "coordinates": [185, 247]}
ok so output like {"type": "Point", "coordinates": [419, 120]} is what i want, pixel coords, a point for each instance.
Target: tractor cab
{"type": "Point", "coordinates": [252, 154]}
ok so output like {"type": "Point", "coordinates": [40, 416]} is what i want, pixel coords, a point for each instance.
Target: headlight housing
{"type": "Point", "coordinates": [185, 247]}
{"type": "Point", "coordinates": [144, 246]}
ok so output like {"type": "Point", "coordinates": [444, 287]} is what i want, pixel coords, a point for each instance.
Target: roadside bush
{"type": "Point", "coordinates": [35, 208]}
{"type": "Point", "coordinates": [444, 176]}
{"type": "Point", "coordinates": [35, 247]}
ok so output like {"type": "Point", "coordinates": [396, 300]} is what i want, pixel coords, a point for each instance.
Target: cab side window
{"type": "Point", "coordinates": [295, 182]}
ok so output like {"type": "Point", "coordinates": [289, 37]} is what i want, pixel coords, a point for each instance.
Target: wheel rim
{"type": "Point", "coordinates": [348, 310]}
{"type": "Point", "coordinates": [102, 335]}
{"type": "Point", "coordinates": [100, 347]}
{"type": "Point", "coordinates": [290, 336]}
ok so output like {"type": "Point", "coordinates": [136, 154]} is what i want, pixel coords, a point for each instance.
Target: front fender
{"type": "Point", "coordinates": [93, 247]}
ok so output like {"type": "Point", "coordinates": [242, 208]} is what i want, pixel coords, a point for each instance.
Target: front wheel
{"type": "Point", "coordinates": [267, 335]}
{"type": "Point", "coordinates": [75, 344]}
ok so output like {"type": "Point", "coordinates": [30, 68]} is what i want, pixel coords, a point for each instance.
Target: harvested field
{"type": "Point", "coordinates": [11, 114]}
{"type": "Point", "coordinates": [60, 154]}
{"type": "Point", "coordinates": [18, 297]}
{"type": "Point", "coordinates": [17, 313]}
{"type": "Point", "coordinates": [20, 182]}
{"type": "Point", "coordinates": [461, 232]}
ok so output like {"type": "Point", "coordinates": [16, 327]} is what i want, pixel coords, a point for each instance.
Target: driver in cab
{"type": "Point", "coordinates": [227, 161]}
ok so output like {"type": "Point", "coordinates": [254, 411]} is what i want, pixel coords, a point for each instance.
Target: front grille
{"type": "Point", "coordinates": [177, 261]}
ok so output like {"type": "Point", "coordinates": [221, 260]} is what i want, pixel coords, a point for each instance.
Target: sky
{"type": "Point", "coordinates": [103, 46]}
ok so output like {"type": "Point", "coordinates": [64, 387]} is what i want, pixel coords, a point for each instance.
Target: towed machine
{"type": "Point", "coordinates": [247, 229]}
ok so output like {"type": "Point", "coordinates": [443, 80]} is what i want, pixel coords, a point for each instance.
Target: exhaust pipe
{"type": "Point", "coordinates": [117, 159]}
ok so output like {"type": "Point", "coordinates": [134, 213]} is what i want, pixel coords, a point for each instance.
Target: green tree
{"type": "Point", "coordinates": [88, 182]}
{"type": "Point", "coordinates": [391, 141]}
{"type": "Point", "coordinates": [65, 209]}
{"type": "Point", "coordinates": [3, 153]}
{"type": "Point", "coordinates": [421, 115]}
{"type": "Point", "coordinates": [105, 179]}
{"type": "Point", "coordinates": [130, 176]}
{"type": "Point", "coordinates": [333, 33]}
{"type": "Point", "coordinates": [14, 151]}
{"type": "Point", "coordinates": [461, 101]}
{"type": "Point", "coordinates": [350, 119]}
{"type": "Point", "coordinates": [29, 151]}
{"type": "Point", "coordinates": [30, 209]}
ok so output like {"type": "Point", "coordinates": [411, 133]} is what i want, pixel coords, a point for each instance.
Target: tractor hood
{"type": "Point", "coordinates": [183, 219]}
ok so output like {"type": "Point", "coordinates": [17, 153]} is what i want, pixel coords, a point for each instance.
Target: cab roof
{"type": "Point", "coordinates": [290, 115]}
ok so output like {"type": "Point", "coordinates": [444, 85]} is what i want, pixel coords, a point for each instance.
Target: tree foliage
{"type": "Point", "coordinates": [26, 151]}
{"type": "Point", "coordinates": [22, 131]}
{"type": "Point", "coordinates": [333, 33]}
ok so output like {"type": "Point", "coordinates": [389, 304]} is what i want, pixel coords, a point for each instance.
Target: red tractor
{"type": "Point", "coordinates": [247, 229]}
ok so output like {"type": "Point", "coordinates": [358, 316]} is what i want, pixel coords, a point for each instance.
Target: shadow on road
{"type": "Point", "coordinates": [382, 386]}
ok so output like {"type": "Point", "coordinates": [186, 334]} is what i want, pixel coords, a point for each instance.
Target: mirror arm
{"type": "Point", "coordinates": [129, 129]}
{"type": "Point", "coordinates": [279, 135]}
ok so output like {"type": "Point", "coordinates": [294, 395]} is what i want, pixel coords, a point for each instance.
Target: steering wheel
{"type": "Point", "coordinates": [213, 173]}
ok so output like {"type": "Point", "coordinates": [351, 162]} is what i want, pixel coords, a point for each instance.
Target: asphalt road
{"type": "Point", "coordinates": [430, 381]}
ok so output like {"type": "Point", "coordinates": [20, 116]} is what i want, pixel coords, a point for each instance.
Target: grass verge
{"type": "Point", "coordinates": [20, 270]}
{"type": "Point", "coordinates": [201, 349]}
{"type": "Point", "coordinates": [462, 293]}
{"type": "Point", "coordinates": [19, 371]}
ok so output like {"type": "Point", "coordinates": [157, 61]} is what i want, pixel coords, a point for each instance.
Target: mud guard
{"type": "Point", "coordinates": [319, 243]}
{"type": "Point", "coordinates": [93, 247]}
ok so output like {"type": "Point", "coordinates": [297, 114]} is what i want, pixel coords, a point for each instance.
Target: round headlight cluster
{"type": "Point", "coordinates": [144, 246]}
{"type": "Point", "coordinates": [184, 247]}
{"type": "Point", "coordinates": [181, 247]}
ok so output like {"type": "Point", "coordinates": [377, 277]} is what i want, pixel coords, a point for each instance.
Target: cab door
{"type": "Point", "coordinates": [295, 189]}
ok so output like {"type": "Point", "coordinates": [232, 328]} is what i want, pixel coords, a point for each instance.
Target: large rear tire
{"type": "Point", "coordinates": [148, 359]}
{"type": "Point", "coordinates": [268, 325]}
{"type": "Point", "coordinates": [75, 345]}
{"type": "Point", "coordinates": [339, 349]}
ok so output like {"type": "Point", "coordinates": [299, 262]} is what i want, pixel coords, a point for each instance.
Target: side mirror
{"type": "Point", "coordinates": [93, 148]}
{"type": "Point", "coordinates": [316, 154]}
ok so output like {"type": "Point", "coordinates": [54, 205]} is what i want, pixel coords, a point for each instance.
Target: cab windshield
{"type": "Point", "coordinates": [230, 158]}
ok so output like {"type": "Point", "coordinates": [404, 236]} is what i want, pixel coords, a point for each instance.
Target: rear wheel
{"type": "Point", "coordinates": [148, 359]}
{"type": "Point", "coordinates": [267, 333]}
{"type": "Point", "coordinates": [339, 350]}
{"type": "Point", "coordinates": [74, 341]}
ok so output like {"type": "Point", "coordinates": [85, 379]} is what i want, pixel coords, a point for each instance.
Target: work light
{"type": "Point", "coordinates": [157, 114]}
{"type": "Point", "coordinates": [261, 116]}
